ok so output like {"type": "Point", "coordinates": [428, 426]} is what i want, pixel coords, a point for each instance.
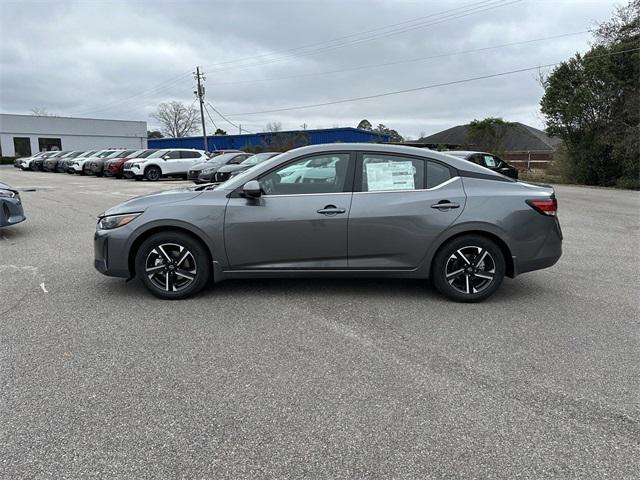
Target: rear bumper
{"type": "Point", "coordinates": [547, 255]}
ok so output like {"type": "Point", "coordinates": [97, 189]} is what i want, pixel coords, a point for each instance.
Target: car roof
{"type": "Point", "coordinates": [466, 152]}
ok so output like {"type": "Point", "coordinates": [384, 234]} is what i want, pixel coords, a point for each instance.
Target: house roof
{"type": "Point", "coordinates": [518, 137]}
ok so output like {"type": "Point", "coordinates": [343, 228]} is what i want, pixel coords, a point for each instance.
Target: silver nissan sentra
{"type": "Point", "coordinates": [338, 210]}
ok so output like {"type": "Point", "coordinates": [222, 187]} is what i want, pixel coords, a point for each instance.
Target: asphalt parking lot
{"type": "Point", "coordinates": [315, 378]}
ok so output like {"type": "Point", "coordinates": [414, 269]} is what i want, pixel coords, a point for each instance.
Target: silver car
{"type": "Point", "coordinates": [338, 210]}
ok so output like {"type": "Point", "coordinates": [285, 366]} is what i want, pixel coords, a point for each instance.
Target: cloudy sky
{"type": "Point", "coordinates": [120, 59]}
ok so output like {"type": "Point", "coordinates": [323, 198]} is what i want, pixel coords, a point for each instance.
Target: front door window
{"type": "Point", "coordinates": [325, 173]}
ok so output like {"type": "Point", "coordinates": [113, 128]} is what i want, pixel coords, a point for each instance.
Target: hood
{"type": "Point", "coordinates": [4, 186]}
{"type": "Point", "coordinates": [209, 164]}
{"type": "Point", "coordinates": [139, 204]}
{"type": "Point", "coordinates": [199, 166]}
{"type": "Point", "coordinates": [234, 168]}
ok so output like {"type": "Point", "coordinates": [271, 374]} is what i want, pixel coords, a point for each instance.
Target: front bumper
{"type": "Point", "coordinates": [11, 211]}
{"type": "Point", "coordinates": [94, 169]}
{"type": "Point", "coordinates": [193, 175]}
{"type": "Point", "coordinates": [110, 249]}
{"type": "Point", "coordinates": [205, 178]}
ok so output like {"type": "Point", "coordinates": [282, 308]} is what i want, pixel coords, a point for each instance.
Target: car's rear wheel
{"type": "Point", "coordinates": [173, 265]}
{"type": "Point", "coordinates": [469, 268]}
{"type": "Point", "coordinates": [152, 174]}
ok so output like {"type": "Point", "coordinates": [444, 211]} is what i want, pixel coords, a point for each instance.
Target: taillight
{"type": "Point", "coordinates": [546, 207]}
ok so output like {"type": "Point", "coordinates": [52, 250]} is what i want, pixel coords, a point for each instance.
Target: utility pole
{"type": "Point", "coordinates": [200, 94]}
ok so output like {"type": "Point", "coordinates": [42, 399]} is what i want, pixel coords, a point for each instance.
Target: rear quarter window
{"type": "Point", "coordinates": [436, 174]}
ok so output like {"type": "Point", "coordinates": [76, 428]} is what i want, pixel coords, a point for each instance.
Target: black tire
{"type": "Point", "coordinates": [168, 279]}
{"type": "Point", "coordinates": [152, 173]}
{"type": "Point", "coordinates": [469, 268]}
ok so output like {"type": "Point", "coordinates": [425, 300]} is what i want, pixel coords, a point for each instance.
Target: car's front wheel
{"type": "Point", "coordinates": [469, 268]}
{"type": "Point", "coordinates": [173, 265]}
{"type": "Point", "coordinates": [152, 174]}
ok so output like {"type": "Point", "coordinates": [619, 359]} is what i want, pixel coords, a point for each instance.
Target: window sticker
{"type": "Point", "coordinates": [489, 161]}
{"type": "Point", "coordinates": [390, 176]}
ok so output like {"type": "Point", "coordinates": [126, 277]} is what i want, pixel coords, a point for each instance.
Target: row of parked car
{"type": "Point", "coordinates": [151, 164]}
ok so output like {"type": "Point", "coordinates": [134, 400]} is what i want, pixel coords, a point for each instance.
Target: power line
{"type": "Point", "coordinates": [415, 89]}
{"type": "Point", "coordinates": [158, 88]}
{"type": "Point", "coordinates": [226, 119]}
{"type": "Point", "coordinates": [470, 9]}
{"type": "Point", "coordinates": [446, 18]}
{"type": "Point", "coordinates": [335, 39]}
{"type": "Point", "coordinates": [209, 115]}
{"type": "Point", "coordinates": [400, 62]}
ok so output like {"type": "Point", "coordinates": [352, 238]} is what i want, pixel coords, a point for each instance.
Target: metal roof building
{"type": "Point", "coordinates": [24, 135]}
{"type": "Point", "coordinates": [264, 140]}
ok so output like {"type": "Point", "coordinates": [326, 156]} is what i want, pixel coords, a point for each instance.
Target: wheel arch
{"type": "Point", "coordinates": [483, 231]}
{"type": "Point", "coordinates": [147, 167]}
{"type": "Point", "coordinates": [139, 239]}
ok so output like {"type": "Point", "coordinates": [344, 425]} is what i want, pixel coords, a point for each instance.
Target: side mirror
{"type": "Point", "coordinates": [166, 157]}
{"type": "Point", "coordinates": [252, 189]}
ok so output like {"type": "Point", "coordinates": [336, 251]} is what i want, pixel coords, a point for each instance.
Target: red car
{"type": "Point", "coordinates": [113, 167]}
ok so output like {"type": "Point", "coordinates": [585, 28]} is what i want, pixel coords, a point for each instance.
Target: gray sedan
{"type": "Point", "coordinates": [339, 210]}
{"type": "Point", "coordinates": [11, 211]}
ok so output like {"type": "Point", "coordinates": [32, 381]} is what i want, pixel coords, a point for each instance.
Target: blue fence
{"type": "Point", "coordinates": [314, 137]}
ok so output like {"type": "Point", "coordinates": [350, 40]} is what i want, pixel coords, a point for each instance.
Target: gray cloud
{"type": "Point", "coordinates": [120, 59]}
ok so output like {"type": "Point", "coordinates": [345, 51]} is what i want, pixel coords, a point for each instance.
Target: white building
{"type": "Point", "coordinates": [23, 135]}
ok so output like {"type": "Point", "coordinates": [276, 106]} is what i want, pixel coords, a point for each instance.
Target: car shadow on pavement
{"type": "Point", "coordinates": [519, 290]}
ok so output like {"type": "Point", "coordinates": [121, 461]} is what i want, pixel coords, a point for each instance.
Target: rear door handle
{"type": "Point", "coordinates": [445, 204]}
{"type": "Point", "coordinates": [330, 210]}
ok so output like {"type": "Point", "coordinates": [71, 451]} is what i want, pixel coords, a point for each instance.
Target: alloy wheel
{"type": "Point", "coordinates": [470, 269]}
{"type": "Point", "coordinates": [153, 174]}
{"type": "Point", "coordinates": [171, 267]}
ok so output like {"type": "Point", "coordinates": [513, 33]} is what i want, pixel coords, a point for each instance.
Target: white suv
{"type": "Point", "coordinates": [170, 162]}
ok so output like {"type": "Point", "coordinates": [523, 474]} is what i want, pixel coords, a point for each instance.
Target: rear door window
{"type": "Point", "coordinates": [391, 173]}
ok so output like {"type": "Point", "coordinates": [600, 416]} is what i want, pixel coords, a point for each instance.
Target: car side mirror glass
{"type": "Point", "coordinates": [252, 189]}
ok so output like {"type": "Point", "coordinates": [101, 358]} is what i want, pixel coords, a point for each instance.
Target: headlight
{"type": "Point", "coordinates": [7, 193]}
{"type": "Point", "coordinates": [115, 221]}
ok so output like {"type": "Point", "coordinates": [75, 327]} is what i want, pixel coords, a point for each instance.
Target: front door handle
{"type": "Point", "coordinates": [331, 210]}
{"type": "Point", "coordinates": [445, 204]}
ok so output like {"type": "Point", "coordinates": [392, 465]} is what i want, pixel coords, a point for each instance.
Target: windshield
{"type": "Point", "coordinates": [74, 154]}
{"type": "Point", "coordinates": [260, 157]}
{"type": "Point", "coordinates": [88, 154]}
{"type": "Point", "coordinates": [126, 153]}
{"type": "Point", "coordinates": [104, 154]}
{"type": "Point", "coordinates": [113, 154]}
{"type": "Point", "coordinates": [157, 153]}
{"type": "Point", "coordinates": [143, 154]}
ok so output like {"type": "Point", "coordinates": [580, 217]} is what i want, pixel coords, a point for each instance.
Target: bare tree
{"type": "Point", "coordinates": [176, 119]}
{"type": "Point", "coordinates": [274, 126]}
{"type": "Point", "coordinates": [41, 112]}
